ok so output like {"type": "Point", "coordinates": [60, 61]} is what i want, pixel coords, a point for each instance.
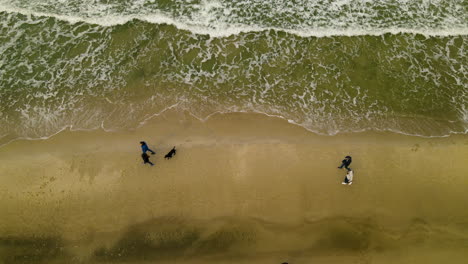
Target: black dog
{"type": "Point", "coordinates": [171, 153]}
{"type": "Point", "coordinates": [145, 158]}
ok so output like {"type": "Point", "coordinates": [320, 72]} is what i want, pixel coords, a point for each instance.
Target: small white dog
{"type": "Point", "coordinates": [348, 180]}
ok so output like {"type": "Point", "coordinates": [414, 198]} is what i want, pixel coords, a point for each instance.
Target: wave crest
{"type": "Point", "coordinates": [226, 18]}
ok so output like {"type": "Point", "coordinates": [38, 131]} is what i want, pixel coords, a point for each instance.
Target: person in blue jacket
{"type": "Point", "coordinates": [145, 148]}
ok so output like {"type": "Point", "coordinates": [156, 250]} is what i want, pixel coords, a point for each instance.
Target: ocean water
{"type": "Point", "coordinates": [329, 66]}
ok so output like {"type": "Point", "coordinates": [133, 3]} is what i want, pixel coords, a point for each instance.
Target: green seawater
{"type": "Point", "coordinates": [331, 66]}
{"type": "Point", "coordinates": [56, 73]}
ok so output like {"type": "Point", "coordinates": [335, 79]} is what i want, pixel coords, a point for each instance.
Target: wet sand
{"type": "Point", "coordinates": [243, 188]}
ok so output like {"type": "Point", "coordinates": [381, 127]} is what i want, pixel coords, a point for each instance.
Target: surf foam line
{"type": "Point", "coordinates": [226, 30]}
{"type": "Point", "coordinates": [176, 107]}
{"type": "Point", "coordinates": [60, 130]}
{"type": "Point", "coordinates": [292, 122]}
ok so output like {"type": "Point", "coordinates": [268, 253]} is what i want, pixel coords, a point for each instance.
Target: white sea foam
{"type": "Point", "coordinates": [73, 79]}
{"type": "Point", "coordinates": [204, 23]}
{"type": "Point", "coordinates": [177, 107]}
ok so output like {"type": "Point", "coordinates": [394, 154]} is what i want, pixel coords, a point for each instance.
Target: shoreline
{"type": "Point", "coordinates": [171, 109]}
{"type": "Point", "coordinates": [256, 185]}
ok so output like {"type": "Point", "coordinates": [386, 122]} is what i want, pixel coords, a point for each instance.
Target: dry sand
{"type": "Point", "coordinates": [243, 188]}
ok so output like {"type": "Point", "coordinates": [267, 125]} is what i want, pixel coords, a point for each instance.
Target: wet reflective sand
{"type": "Point", "coordinates": [243, 188]}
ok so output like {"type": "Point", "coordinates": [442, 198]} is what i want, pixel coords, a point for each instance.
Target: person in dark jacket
{"type": "Point", "coordinates": [145, 158]}
{"type": "Point", "coordinates": [346, 162]}
{"type": "Point", "coordinates": [145, 148]}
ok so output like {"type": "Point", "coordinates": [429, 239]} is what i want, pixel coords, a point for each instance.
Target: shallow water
{"type": "Point", "coordinates": [330, 66]}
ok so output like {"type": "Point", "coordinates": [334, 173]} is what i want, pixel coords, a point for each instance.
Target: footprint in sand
{"type": "Point", "coordinates": [415, 147]}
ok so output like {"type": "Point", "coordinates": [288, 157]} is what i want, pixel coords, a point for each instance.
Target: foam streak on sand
{"type": "Point", "coordinates": [243, 188]}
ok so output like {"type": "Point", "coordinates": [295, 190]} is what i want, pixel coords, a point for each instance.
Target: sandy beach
{"type": "Point", "coordinates": [243, 188]}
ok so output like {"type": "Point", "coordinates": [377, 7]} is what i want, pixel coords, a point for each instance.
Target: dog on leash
{"type": "Point", "coordinates": [171, 153]}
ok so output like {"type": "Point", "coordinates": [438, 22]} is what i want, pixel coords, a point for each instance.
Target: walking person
{"type": "Point", "coordinates": [145, 148]}
{"type": "Point", "coordinates": [145, 158]}
{"type": "Point", "coordinates": [346, 162]}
